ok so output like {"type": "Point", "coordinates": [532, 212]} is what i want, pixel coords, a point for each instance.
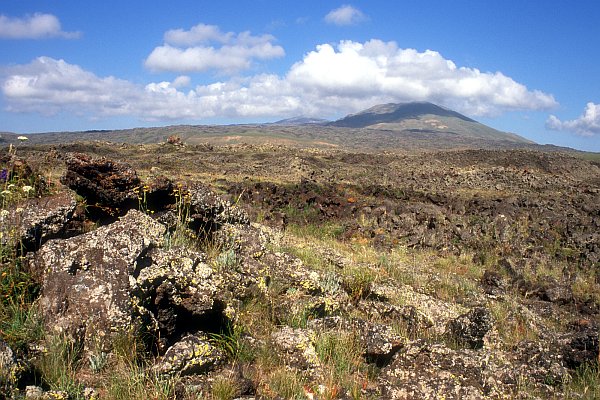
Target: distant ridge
{"type": "Point", "coordinates": [425, 118]}
{"type": "Point", "coordinates": [390, 127]}
{"type": "Point", "coordinates": [300, 121]}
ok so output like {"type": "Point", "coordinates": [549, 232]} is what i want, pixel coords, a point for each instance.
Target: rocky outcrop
{"type": "Point", "coordinates": [379, 342]}
{"type": "Point", "coordinates": [87, 280]}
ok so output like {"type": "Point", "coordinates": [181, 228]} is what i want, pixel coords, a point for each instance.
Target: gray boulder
{"type": "Point", "coordinates": [191, 355]}
{"type": "Point", "coordinates": [296, 346]}
{"type": "Point", "coordinates": [36, 221]}
{"type": "Point", "coordinates": [87, 280]}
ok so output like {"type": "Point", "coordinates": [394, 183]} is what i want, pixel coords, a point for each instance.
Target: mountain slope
{"type": "Point", "coordinates": [424, 117]}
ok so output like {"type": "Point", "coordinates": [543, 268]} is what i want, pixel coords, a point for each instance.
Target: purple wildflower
{"type": "Point", "coordinates": [4, 175]}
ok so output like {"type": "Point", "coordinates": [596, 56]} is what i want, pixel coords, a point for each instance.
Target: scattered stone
{"type": "Point", "coordinates": [37, 393]}
{"type": "Point", "coordinates": [541, 361]}
{"type": "Point", "coordinates": [174, 140]}
{"type": "Point", "coordinates": [493, 283]}
{"type": "Point", "coordinates": [556, 292]}
{"type": "Point", "coordinates": [90, 394]}
{"type": "Point", "coordinates": [34, 392]}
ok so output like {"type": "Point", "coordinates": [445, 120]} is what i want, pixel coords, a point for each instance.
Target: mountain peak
{"type": "Point", "coordinates": [424, 118]}
{"type": "Point", "coordinates": [394, 112]}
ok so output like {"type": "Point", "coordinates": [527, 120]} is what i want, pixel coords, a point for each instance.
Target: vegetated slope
{"type": "Point", "coordinates": [424, 117]}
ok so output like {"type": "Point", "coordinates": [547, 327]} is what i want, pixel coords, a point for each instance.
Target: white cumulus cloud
{"type": "Point", "coordinates": [49, 86]}
{"type": "Point", "coordinates": [328, 81]}
{"type": "Point", "coordinates": [345, 15]}
{"type": "Point", "coordinates": [190, 51]}
{"type": "Point", "coordinates": [182, 81]}
{"type": "Point", "coordinates": [588, 124]}
{"type": "Point", "coordinates": [34, 26]}
{"type": "Point", "coordinates": [200, 33]}
{"type": "Point", "coordinates": [379, 71]}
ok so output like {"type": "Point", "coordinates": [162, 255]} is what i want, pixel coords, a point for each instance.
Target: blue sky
{"type": "Point", "coordinates": [529, 67]}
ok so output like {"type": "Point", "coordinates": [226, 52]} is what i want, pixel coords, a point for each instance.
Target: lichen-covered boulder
{"type": "Point", "coordinates": [412, 319]}
{"type": "Point", "coordinates": [180, 291]}
{"type": "Point", "coordinates": [296, 347]}
{"type": "Point", "coordinates": [208, 211]}
{"type": "Point", "coordinates": [87, 280]}
{"type": "Point", "coordinates": [37, 393]}
{"type": "Point", "coordinates": [470, 328]}
{"type": "Point", "coordinates": [541, 361]}
{"type": "Point", "coordinates": [192, 354]}
{"type": "Point", "coordinates": [423, 371]}
{"type": "Point", "coordinates": [37, 220]}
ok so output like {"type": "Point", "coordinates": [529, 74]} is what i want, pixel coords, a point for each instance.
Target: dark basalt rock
{"type": "Point", "coordinates": [493, 283]}
{"type": "Point", "coordinates": [104, 183]}
{"type": "Point", "coordinates": [208, 212]}
{"type": "Point", "coordinates": [581, 348]}
{"type": "Point", "coordinates": [469, 329]}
